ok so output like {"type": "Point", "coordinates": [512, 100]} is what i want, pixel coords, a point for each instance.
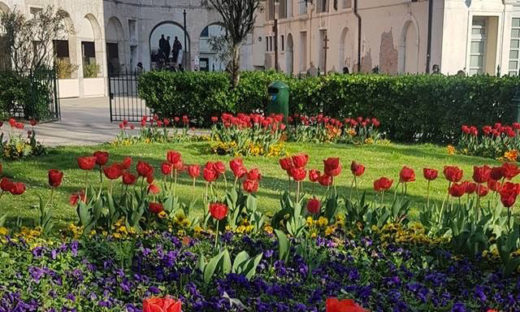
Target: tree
{"type": "Point", "coordinates": [238, 17]}
{"type": "Point", "coordinates": [29, 41]}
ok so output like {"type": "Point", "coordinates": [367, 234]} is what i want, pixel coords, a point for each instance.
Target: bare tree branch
{"type": "Point", "coordinates": [238, 17]}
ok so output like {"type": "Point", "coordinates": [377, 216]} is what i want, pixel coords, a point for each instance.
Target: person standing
{"type": "Point", "coordinates": [177, 46]}
{"type": "Point", "coordinates": [167, 48]}
{"type": "Point", "coordinates": [162, 42]}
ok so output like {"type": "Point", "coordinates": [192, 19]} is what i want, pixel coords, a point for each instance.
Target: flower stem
{"type": "Point", "coordinates": [216, 234]}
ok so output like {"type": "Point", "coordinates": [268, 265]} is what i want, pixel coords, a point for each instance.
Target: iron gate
{"type": "Point", "coordinates": [125, 103]}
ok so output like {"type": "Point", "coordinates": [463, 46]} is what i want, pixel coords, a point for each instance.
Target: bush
{"type": "Point", "coordinates": [412, 107]}
{"type": "Point", "coordinates": [27, 96]}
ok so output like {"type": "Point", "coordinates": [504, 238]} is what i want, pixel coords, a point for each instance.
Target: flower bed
{"type": "Point", "coordinates": [254, 134]}
{"type": "Point", "coordinates": [497, 141]}
{"type": "Point", "coordinates": [155, 130]}
{"type": "Point", "coordinates": [135, 239]}
{"type": "Point", "coordinates": [19, 143]}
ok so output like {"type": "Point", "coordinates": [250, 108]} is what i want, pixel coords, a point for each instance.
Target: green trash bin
{"type": "Point", "coordinates": [278, 99]}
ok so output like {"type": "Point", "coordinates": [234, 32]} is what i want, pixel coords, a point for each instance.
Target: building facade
{"type": "Point", "coordinates": [391, 36]}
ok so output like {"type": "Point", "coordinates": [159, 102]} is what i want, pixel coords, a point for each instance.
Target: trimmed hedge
{"type": "Point", "coordinates": [425, 108]}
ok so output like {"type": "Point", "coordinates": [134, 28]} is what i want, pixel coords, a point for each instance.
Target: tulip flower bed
{"type": "Point", "coordinates": [497, 141]}
{"type": "Point", "coordinates": [155, 130]}
{"type": "Point", "coordinates": [17, 143]}
{"type": "Point", "coordinates": [255, 134]}
{"type": "Point", "coordinates": [135, 242]}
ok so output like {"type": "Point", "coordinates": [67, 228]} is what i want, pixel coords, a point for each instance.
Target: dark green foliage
{"type": "Point", "coordinates": [410, 107]}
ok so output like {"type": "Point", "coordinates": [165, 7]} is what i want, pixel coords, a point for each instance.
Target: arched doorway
{"type": "Point", "coordinates": [289, 55]}
{"type": "Point", "coordinates": [346, 51]}
{"type": "Point", "coordinates": [409, 48]}
{"type": "Point", "coordinates": [91, 46]}
{"type": "Point", "coordinates": [65, 50]}
{"type": "Point", "coordinates": [165, 58]}
{"type": "Point", "coordinates": [211, 40]}
{"type": "Point", "coordinates": [116, 62]}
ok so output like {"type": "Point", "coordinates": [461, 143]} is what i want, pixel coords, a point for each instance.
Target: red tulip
{"type": "Point", "coordinates": [313, 206]}
{"type": "Point", "coordinates": [508, 193]}
{"type": "Point", "coordinates": [482, 191]}
{"type": "Point", "coordinates": [219, 167]}
{"type": "Point", "coordinates": [346, 305]}
{"type": "Point", "coordinates": [406, 175]}
{"type": "Point", "coordinates": [33, 122]}
{"type": "Point", "coordinates": [126, 164]}
{"type": "Point", "coordinates": [325, 180]}
{"type": "Point", "coordinates": [300, 160]}
{"type": "Point", "coordinates": [214, 119]}
{"type": "Point", "coordinates": [6, 185]}
{"type": "Point", "coordinates": [509, 170]}
{"type": "Point", "coordinates": [76, 197]}
{"type": "Point", "coordinates": [493, 185]}
{"type": "Point", "coordinates": [250, 186]}
{"type": "Point", "coordinates": [194, 171]}
{"type": "Point", "coordinates": [209, 174]}
{"type": "Point", "coordinates": [470, 187]}
{"type": "Point", "coordinates": [235, 164]}
{"type": "Point", "coordinates": [87, 163]}
{"type": "Point", "coordinates": [101, 158]}
{"type": "Point", "coordinates": [173, 157]}
{"type": "Point", "coordinates": [144, 169]}
{"type": "Point", "coordinates": [113, 172]}
{"type": "Point", "coordinates": [166, 168]}
{"type": "Point", "coordinates": [314, 175]}
{"type": "Point", "coordinates": [457, 189]}
{"type": "Point", "coordinates": [153, 189]}
{"type": "Point", "coordinates": [298, 174]}
{"type": "Point", "coordinates": [481, 174]}
{"type": "Point", "coordinates": [332, 166]}
{"type": "Point", "coordinates": [254, 174]}
{"type": "Point", "coordinates": [55, 178]}
{"type": "Point", "coordinates": [453, 174]}
{"type": "Point", "coordinates": [497, 173]}
{"type": "Point", "coordinates": [383, 184]}
{"type": "Point", "coordinates": [129, 179]}
{"type": "Point", "coordinates": [155, 208]}
{"type": "Point", "coordinates": [430, 174]}
{"type": "Point", "coordinates": [357, 169]}
{"type": "Point", "coordinates": [17, 188]}
{"type": "Point", "coordinates": [218, 210]}
{"type": "Point", "coordinates": [286, 163]}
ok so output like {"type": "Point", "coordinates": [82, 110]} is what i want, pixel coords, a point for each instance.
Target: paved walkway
{"type": "Point", "coordinates": [84, 121]}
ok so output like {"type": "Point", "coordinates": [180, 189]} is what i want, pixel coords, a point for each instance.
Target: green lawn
{"type": "Point", "coordinates": [379, 160]}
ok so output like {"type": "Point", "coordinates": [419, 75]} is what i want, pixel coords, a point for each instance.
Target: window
{"type": "Point", "coordinates": [61, 49]}
{"type": "Point", "coordinates": [478, 46]}
{"type": "Point", "coordinates": [283, 8]}
{"type": "Point", "coordinates": [303, 7]}
{"type": "Point", "coordinates": [283, 43]}
{"type": "Point", "coordinates": [89, 52]}
{"type": "Point", "coordinates": [271, 9]}
{"type": "Point", "coordinates": [347, 4]}
{"type": "Point", "coordinates": [322, 6]}
{"type": "Point", "coordinates": [266, 43]}
{"type": "Point", "coordinates": [514, 49]}
{"type": "Point", "coordinates": [132, 26]}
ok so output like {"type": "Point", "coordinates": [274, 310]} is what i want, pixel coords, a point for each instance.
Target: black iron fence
{"type": "Point", "coordinates": [125, 103]}
{"type": "Point", "coordinates": [28, 96]}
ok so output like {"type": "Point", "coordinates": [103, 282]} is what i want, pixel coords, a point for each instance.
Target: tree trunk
{"type": "Point", "coordinates": [235, 66]}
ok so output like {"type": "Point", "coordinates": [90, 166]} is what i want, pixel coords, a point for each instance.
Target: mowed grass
{"type": "Point", "coordinates": [380, 160]}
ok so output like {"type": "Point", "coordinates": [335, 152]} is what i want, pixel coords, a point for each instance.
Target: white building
{"type": "Point", "coordinates": [477, 36]}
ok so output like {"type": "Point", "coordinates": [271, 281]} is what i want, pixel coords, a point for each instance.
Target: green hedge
{"type": "Point", "coordinates": [27, 96]}
{"type": "Point", "coordinates": [428, 108]}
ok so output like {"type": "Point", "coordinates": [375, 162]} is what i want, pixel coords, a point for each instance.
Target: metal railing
{"type": "Point", "coordinates": [125, 103]}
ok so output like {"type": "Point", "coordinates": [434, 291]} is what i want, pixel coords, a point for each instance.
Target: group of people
{"type": "Point", "coordinates": [168, 54]}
